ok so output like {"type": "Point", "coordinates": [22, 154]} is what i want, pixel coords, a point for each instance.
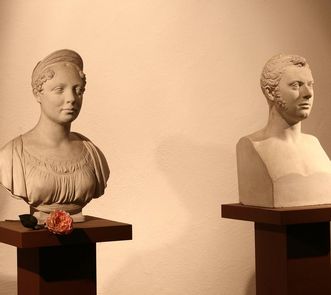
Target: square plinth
{"type": "Point", "coordinates": [92, 230]}
{"type": "Point", "coordinates": [49, 264]}
{"type": "Point", "coordinates": [278, 216]}
{"type": "Point", "coordinates": [292, 248]}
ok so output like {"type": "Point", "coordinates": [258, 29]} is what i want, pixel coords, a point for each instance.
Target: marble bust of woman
{"type": "Point", "coordinates": [50, 167]}
{"type": "Point", "coordinates": [279, 166]}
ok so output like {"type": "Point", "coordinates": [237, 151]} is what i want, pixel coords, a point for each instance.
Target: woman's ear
{"type": "Point", "coordinates": [37, 94]}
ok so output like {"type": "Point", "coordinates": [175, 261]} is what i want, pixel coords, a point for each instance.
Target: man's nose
{"type": "Point", "coordinates": [307, 92]}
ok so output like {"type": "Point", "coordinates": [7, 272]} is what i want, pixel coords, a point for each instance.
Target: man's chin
{"type": "Point", "coordinates": [294, 119]}
{"type": "Point", "coordinates": [304, 115]}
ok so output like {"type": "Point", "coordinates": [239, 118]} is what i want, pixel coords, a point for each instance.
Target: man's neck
{"type": "Point", "coordinates": [277, 126]}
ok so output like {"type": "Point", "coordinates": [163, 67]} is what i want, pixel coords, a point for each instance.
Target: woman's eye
{"type": "Point", "coordinates": [58, 90]}
{"type": "Point", "coordinates": [79, 91]}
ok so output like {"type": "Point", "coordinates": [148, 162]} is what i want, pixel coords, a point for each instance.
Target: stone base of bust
{"type": "Point", "coordinates": [295, 190]}
{"type": "Point", "coordinates": [41, 212]}
{"type": "Point", "coordinates": [258, 188]}
{"type": "Point", "coordinates": [42, 216]}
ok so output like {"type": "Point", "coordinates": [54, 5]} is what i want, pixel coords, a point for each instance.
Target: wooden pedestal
{"type": "Point", "coordinates": [292, 248]}
{"type": "Point", "coordinates": [52, 264]}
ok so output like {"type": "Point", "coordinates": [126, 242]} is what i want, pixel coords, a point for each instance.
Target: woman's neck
{"type": "Point", "coordinates": [52, 133]}
{"type": "Point", "coordinates": [278, 127]}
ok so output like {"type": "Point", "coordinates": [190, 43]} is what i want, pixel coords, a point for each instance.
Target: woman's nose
{"type": "Point", "coordinates": [70, 96]}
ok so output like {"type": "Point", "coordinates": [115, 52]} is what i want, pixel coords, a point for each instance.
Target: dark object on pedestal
{"type": "Point", "coordinates": [53, 264]}
{"type": "Point", "coordinates": [292, 248]}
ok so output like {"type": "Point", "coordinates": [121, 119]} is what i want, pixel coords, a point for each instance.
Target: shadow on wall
{"type": "Point", "coordinates": [251, 286]}
{"type": "Point", "coordinates": [7, 285]}
{"type": "Point", "coordinates": [200, 174]}
{"type": "Point", "coordinates": [194, 262]}
{"type": "Point", "coordinates": [3, 204]}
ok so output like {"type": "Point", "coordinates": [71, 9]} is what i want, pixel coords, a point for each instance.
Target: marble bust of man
{"type": "Point", "coordinates": [279, 166]}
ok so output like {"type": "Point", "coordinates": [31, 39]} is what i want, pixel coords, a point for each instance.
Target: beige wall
{"type": "Point", "coordinates": [172, 85]}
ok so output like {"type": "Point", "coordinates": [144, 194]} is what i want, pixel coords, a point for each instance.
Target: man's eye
{"type": "Point", "coordinates": [296, 84]}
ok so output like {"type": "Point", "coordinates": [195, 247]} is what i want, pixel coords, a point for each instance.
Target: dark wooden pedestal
{"type": "Point", "coordinates": [292, 248]}
{"type": "Point", "coordinates": [52, 264]}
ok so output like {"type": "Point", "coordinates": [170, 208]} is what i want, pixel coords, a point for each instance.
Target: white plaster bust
{"type": "Point", "coordinates": [279, 166]}
{"type": "Point", "coordinates": [49, 166]}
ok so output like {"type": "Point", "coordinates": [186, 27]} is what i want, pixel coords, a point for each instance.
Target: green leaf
{"type": "Point", "coordinates": [28, 220]}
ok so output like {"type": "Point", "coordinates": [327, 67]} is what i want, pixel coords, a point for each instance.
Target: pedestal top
{"type": "Point", "coordinates": [279, 216]}
{"type": "Point", "coordinates": [93, 230]}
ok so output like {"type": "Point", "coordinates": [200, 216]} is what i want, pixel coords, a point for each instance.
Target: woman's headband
{"type": "Point", "coordinates": [63, 55]}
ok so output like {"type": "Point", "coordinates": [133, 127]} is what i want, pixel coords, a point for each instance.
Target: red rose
{"type": "Point", "coordinates": [59, 222]}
